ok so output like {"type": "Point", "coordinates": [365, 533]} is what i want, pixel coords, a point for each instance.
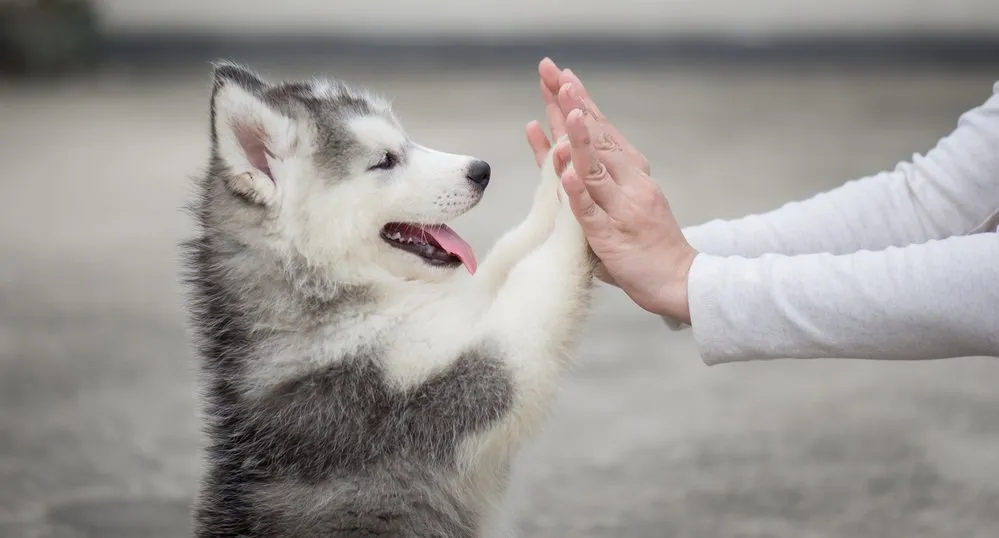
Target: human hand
{"type": "Point", "coordinates": [624, 214]}
{"type": "Point", "coordinates": [552, 79]}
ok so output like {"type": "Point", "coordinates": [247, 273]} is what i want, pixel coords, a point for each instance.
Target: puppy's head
{"type": "Point", "coordinates": [324, 174]}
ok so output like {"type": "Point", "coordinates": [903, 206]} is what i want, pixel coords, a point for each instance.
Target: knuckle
{"type": "Point", "coordinates": [639, 159]}
{"type": "Point", "coordinates": [606, 142]}
{"type": "Point", "coordinates": [652, 193]}
{"type": "Point", "coordinates": [597, 171]}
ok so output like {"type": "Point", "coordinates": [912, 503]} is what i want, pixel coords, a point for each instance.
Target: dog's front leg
{"type": "Point", "coordinates": [517, 243]}
{"type": "Point", "coordinates": [535, 317]}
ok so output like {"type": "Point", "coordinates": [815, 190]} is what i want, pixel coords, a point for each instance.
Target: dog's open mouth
{"type": "Point", "coordinates": [436, 244]}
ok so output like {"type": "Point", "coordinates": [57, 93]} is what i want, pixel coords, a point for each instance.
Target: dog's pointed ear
{"type": "Point", "coordinates": [249, 135]}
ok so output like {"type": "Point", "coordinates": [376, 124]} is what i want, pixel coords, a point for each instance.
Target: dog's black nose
{"type": "Point", "coordinates": [478, 173]}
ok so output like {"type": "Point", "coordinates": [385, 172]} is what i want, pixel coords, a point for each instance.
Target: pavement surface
{"type": "Point", "coordinates": [99, 433]}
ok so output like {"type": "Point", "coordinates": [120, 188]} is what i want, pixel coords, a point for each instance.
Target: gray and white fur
{"type": "Point", "coordinates": [352, 388]}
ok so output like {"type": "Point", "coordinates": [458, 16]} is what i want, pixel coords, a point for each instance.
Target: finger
{"type": "Point", "coordinates": [569, 77]}
{"type": "Point", "coordinates": [538, 141]}
{"type": "Point", "coordinates": [569, 99]}
{"type": "Point", "coordinates": [550, 74]}
{"type": "Point", "coordinates": [554, 115]}
{"type": "Point", "coordinates": [587, 212]}
{"type": "Point", "coordinates": [608, 149]}
{"type": "Point", "coordinates": [562, 157]}
{"type": "Point", "coordinates": [587, 164]}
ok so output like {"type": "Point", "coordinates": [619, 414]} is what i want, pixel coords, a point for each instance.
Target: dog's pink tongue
{"type": "Point", "coordinates": [451, 242]}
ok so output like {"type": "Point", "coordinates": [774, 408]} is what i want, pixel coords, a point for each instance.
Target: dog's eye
{"type": "Point", "coordinates": [388, 162]}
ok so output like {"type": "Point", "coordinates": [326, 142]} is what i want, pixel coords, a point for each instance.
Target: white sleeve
{"type": "Point", "coordinates": [933, 300]}
{"type": "Point", "coordinates": [947, 192]}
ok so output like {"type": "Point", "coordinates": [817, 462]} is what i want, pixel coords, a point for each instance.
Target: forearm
{"type": "Point", "coordinates": [873, 213]}
{"type": "Point", "coordinates": [927, 301]}
{"type": "Point", "coordinates": [946, 192]}
{"type": "Point", "coordinates": [839, 221]}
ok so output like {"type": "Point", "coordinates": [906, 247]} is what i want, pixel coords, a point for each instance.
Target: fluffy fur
{"type": "Point", "coordinates": [351, 388]}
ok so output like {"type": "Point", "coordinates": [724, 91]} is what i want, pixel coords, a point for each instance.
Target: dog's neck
{"type": "Point", "coordinates": [278, 294]}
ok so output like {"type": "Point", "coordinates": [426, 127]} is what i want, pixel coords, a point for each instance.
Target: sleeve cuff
{"type": "Point", "coordinates": [704, 276]}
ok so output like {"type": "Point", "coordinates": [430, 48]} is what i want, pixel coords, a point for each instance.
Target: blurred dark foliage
{"type": "Point", "coordinates": [48, 37]}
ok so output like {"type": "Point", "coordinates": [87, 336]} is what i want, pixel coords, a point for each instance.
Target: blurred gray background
{"type": "Point", "coordinates": [740, 106]}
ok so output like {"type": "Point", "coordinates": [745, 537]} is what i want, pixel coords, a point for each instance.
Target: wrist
{"type": "Point", "coordinates": [673, 294]}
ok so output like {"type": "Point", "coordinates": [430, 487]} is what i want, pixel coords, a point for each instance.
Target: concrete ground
{"type": "Point", "coordinates": [98, 430]}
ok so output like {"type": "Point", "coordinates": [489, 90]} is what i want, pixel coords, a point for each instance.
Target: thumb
{"type": "Point", "coordinates": [538, 141]}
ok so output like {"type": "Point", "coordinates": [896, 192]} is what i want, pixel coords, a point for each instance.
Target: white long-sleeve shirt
{"type": "Point", "coordinates": [900, 265]}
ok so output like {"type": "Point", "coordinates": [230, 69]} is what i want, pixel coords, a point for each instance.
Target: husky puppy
{"type": "Point", "coordinates": [361, 375]}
